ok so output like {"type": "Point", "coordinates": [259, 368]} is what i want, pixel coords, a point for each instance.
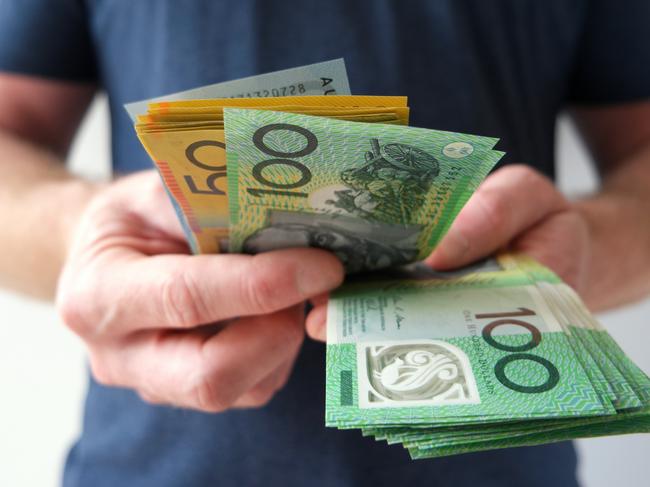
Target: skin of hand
{"type": "Point", "coordinates": [207, 332]}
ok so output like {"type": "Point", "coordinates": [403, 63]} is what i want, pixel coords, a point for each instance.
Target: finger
{"type": "Point", "coordinates": [561, 243]}
{"type": "Point", "coordinates": [143, 195]}
{"type": "Point", "coordinates": [320, 299]}
{"type": "Point", "coordinates": [174, 291]}
{"type": "Point", "coordinates": [264, 391]}
{"type": "Point", "coordinates": [316, 323]}
{"type": "Point", "coordinates": [509, 201]}
{"type": "Point", "coordinates": [257, 397]}
{"type": "Point", "coordinates": [244, 354]}
{"type": "Point", "coordinates": [186, 369]}
{"type": "Point", "coordinates": [152, 399]}
{"type": "Point", "coordinates": [134, 207]}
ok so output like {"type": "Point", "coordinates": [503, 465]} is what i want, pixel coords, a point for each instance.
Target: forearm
{"type": "Point", "coordinates": [619, 223]}
{"type": "Point", "coordinates": [40, 203]}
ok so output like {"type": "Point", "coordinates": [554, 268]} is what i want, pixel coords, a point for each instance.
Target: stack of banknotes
{"type": "Point", "coordinates": [500, 354]}
{"type": "Point", "coordinates": [285, 155]}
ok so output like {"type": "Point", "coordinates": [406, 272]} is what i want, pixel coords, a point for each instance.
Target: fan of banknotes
{"type": "Point", "coordinates": [496, 355]}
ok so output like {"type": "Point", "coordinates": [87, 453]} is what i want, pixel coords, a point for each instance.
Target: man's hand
{"type": "Point", "coordinates": [517, 208]}
{"type": "Point", "coordinates": [208, 332]}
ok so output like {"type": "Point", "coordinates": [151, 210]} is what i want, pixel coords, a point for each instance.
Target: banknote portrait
{"type": "Point", "coordinates": [361, 245]}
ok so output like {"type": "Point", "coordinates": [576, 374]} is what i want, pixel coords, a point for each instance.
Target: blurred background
{"type": "Point", "coordinates": [43, 373]}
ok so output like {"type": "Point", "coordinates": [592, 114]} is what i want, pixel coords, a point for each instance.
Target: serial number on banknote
{"type": "Point", "coordinates": [282, 91]}
{"type": "Point", "coordinates": [320, 86]}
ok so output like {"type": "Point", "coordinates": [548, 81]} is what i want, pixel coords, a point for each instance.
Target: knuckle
{"type": "Point", "coordinates": [181, 305]}
{"type": "Point", "coordinates": [149, 398]}
{"type": "Point", "coordinates": [212, 392]}
{"type": "Point", "coordinates": [100, 371]}
{"type": "Point", "coordinates": [71, 313]}
{"type": "Point", "coordinates": [530, 178]}
{"type": "Point", "coordinates": [496, 210]}
{"type": "Point", "coordinates": [260, 291]}
{"type": "Point", "coordinates": [72, 306]}
{"type": "Point", "coordinates": [260, 396]}
{"type": "Point", "coordinates": [144, 397]}
{"type": "Point", "coordinates": [282, 381]}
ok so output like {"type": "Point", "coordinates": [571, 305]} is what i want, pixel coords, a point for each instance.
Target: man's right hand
{"type": "Point", "coordinates": [207, 332]}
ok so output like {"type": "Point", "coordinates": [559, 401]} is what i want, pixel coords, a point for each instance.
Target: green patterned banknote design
{"type": "Point", "coordinates": [421, 353]}
{"type": "Point", "coordinates": [497, 355]}
{"type": "Point", "coordinates": [376, 195]}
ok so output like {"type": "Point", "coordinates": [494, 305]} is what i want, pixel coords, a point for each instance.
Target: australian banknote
{"type": "Point", "coordinates": [497, 355]}
{"type": "Point", "coordinates": [376, 195]}
{"type": "Point", "coordinates": [326, 78]}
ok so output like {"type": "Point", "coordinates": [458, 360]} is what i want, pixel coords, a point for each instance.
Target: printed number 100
{"type": "Point", "coordinates": [282, 159]}
{"type": "Point", "coordinates": [509, 318]}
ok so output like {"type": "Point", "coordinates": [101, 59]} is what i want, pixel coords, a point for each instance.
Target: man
{"type": "Point", "coordinates": [199, 373]}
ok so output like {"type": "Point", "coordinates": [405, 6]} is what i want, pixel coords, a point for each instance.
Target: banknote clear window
{"type": "Point", "coordinates": [414, 373]}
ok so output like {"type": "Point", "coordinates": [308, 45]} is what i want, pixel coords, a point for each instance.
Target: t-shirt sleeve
{"type": "Point", "coordinates": [47, 38]}
{"type": "Point", "coordinates": [612, 64]}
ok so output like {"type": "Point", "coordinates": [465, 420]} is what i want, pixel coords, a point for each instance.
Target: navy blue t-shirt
{"type": "Point", "coordinates": [500, 68]}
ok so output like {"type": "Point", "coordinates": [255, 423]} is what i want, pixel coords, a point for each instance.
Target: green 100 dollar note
{"type": "Point", "coordinates": [486, 348]}
{"type": "Point", "coordinates": [376, 195]}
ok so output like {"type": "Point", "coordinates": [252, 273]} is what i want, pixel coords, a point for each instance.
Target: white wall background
{"type": "Point", "coordinates": [42, 371]}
